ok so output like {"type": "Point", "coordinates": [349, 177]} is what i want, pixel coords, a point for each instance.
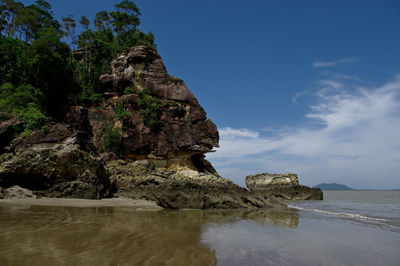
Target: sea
{"type": "Point", "coordinates": [346, 228]}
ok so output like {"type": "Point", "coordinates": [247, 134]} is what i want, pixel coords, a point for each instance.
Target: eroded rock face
{"type": "Point", "coordinates": [177, 130]}
{"type": "Point", "coordinates": [284, 186]}
{"type": "Point", "coordinates": [184, 188]}
{"type": "Point", "coordinates": [142, 68]}
{"type": "Point", "coordinates": [178, 124]}
{"type": "Point", "coordinates": [55, 169]}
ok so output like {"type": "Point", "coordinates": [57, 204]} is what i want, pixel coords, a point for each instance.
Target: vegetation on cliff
{"type": "Point", "coordinates": [44, 64]}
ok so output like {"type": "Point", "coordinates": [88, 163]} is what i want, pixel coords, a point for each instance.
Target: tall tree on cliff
{"type": "Point", "coordinates": [115, 32]}
{"type": "Point", "coordinates": [10, 10]}
{"type": "Point", "coordinates": [68, 28]}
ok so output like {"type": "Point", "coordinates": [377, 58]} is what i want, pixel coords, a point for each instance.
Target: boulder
{"type": "Point", "coordinates": [16, 192]}
{"type": "Point", "coordinates": [283, 186]}
{"type": "Point", "coordinates": [266, 180]}
{"type": "Point", "coordinates": [60, 169]}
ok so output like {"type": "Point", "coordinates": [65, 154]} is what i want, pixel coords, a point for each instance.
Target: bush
{"type": "Point", "coordinates": [25, 102]}
{"type": "Point", "coordinates": [120, 112]}
{"type": "Point", "coordinates": [128, 90]}
{"type": "Point", "coordinates": [14, 100]}
{"type": "Point", "coordinates": [111, 137]}
{"type": "Point", "coordinates": [33, 118]}
{"type": "Point", "coordinates": [89, 97]}
{"type": "Point", "coordinates": [149, 108]}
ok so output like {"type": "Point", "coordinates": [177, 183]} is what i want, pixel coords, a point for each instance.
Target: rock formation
{"type": "Point", "coordinates": [164, 119]}
{"type": "Point", "coordinates": [146, 140]}
{"type": "Point", "coordinates": [284, 186]}
{"type": "Point", "coordinates": [55, 166]}
{"type": "Point", "coordinates": [16, 192]}
{"type": "Point", "coordinates": [184, 188]}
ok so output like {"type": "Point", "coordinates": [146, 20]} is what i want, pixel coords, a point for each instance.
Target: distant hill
{"type": "Point", "coordinates": [333, 186]}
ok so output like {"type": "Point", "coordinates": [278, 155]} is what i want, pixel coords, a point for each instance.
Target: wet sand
{"type": "Point", "coordinates": [90, 232]}
{"type": "Point", "coordinates": [84, 203]}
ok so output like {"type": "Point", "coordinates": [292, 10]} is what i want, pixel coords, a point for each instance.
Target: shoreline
{"type": "Point", "coordinates": [84, 203]}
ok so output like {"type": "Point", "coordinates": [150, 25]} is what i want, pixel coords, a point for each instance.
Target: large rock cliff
{"type": "Point", "coordinates": [148, 139]}
{"type": "Point", "coordinates": [162, 120]}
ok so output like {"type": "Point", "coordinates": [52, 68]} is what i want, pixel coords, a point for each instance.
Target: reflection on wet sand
{"type": "Point", "coordinates": [48, 235]}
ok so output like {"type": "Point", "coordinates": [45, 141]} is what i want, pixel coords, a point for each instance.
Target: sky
{"type": "Point", "coordinates": [311, 87]}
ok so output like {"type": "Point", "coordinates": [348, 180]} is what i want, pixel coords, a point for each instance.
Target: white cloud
{"type": "Point", "coordinates": [355, 139]}
{"type": "Point", "coordinates": [229, 132]}
{"type": "Point", "coordinates": [333, 63]}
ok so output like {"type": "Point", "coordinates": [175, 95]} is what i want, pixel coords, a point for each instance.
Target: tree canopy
{"type": "Point", "coordinates": [44, 63]}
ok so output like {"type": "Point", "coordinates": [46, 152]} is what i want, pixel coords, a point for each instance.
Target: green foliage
{"type": "Point", "coordinates": [45, 129]}
{"type": "Point", "coordinates": [25, 102]}
{"type": "Point", "coordinates": [128, 90]}
{"type": "Point", "coordinates": [120, 112]}
{"type": "Point", "coordinates": [14, 100]}
{"type": "Point", "coordinates": [115, 32]}
{"type": "Point", "coordinates": [33, 118]}
{"type": "Point", "coordinates": [39, 71]}
{"type": "Point", "coordinates": [84, 22]}
{"type": "Point", "coordinates": [149, 108]}
{"type": "Point", "coordinates": [13, 61]}
{"type": "Point", "coordinates": [89, 97]}
{"type": "Point", "coordinates": [111, 137]}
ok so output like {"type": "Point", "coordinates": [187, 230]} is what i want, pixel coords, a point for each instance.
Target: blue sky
{"type": "Point", "coordinates": [310, 87]}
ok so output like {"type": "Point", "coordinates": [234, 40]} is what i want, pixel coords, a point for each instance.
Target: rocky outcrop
{"type": "Point", "coordinates": [16, 192]}
{"type": "Point", "coordinates": [59, 165]}
{"type": "Point", "coordinates": [8, 130]}
{"type": "Point", "coordinates": [163, 119]}
{"type": "Point", "coordinates": [149, 114]}
{"type": "Point", "coordinates": [147, 139]}
{"type": "Point", "coordinates": [184, 188]}
{"type": "Point", "coordinates": [142, 68]}
{"type": "Point", "coordinates": [284, 186]}
{"type": "Point", "coordinates": [262, 181]}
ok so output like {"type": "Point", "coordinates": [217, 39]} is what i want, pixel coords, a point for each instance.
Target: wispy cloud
{"type": "Point", "coordinates": [333, 63]}
{"type": "Point", "coordinates": [354, 139]}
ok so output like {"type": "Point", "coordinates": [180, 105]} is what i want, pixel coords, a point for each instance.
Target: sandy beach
{"type": "Point", "coordinates": [63, 202]}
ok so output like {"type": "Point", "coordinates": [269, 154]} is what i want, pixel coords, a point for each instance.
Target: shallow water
{"type": "Point", "coordinates": [381, 208]}
{"type": "Point", "coordinates": [49, 235]}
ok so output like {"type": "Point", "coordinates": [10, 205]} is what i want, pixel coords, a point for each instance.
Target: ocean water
{"type": "Point", "coordinates": [347, 228]}
{"type": "Point", "coordinates": [379, 208]}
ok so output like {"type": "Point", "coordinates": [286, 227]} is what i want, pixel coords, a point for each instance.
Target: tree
{"type": "Point", "coordinates": [36, 60]}
{"type": "Point", "coordinates": [43, 5]}
{"type": "Point", "coordinates": [126, 18]}
{"type": "Point", "coordinates": [102, 21]}
{"type": "Point", "coordinates": [68, 27]}
{"type": "Point", "coordinates": [10, 10]}
{"type": "Point", "coordinates": [84, 22]}
{"type": "Point", "coordinates": [33, 19]}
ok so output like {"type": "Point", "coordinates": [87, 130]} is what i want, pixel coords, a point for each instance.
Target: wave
{"type": "Point", "coordinates": [349, 215]}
